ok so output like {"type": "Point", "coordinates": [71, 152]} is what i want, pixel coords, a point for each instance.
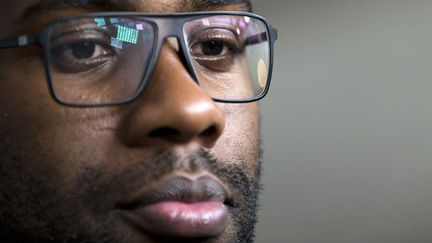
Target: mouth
{"type": "Point", "coordinates": [180, 207]}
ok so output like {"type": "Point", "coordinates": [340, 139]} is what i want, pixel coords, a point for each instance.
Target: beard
{"type": "Point", "coordinates": [35, 208]}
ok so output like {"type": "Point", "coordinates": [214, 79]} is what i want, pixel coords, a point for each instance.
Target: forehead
{"type": "Point", "coordinates": [25, 16]}
{"type": "Point", "coordinates": [28, 7]}
{"type": "Point", "coordinates": [17, 14]}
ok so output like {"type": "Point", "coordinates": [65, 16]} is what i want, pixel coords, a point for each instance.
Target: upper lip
{"type": "Point", "coordinates": [181, 188]}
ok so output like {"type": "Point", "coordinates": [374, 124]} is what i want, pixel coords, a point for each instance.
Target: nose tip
{"type": "Point", "coordinates": [179, 121]}
{"type": "Point", "coordinates": [202, 122]}
{"type": "Point", "coordinates": [173, 109]}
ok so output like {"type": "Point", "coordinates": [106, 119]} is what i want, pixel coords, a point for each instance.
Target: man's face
{"type": "Point", "coordinates": [173, 164]}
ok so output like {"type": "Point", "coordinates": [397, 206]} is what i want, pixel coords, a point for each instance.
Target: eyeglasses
{"type": "Point", "coordinates": [102, 59]}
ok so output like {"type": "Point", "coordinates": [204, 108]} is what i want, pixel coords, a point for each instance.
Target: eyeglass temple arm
{"type": "Point", "coordinates": [22, 40]}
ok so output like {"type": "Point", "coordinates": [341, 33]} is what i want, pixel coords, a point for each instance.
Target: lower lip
{"type": "Point", "coordinates": [183, 220]}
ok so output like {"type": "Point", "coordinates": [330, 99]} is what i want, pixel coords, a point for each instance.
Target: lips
{"type": "Point", "coordinates": [181, 207]}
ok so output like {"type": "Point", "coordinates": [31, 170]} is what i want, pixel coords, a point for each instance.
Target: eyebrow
{"type": "Point", "coordinates": [42, 6]}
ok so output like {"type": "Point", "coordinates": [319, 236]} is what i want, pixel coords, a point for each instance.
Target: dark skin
{"type": "Point", "coordinates": [64, 170]}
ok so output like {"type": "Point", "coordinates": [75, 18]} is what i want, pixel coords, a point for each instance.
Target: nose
{"type": "Point", "coordinates": [173, 109]}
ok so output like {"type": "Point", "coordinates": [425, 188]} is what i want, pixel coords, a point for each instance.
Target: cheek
{"type": "Point", "coordinates": [63, 150]}
{"type": "Point", "coordinates": [44, 135]}
{"type": "Point", "coordinates": [240, 141]}
{"type": "Point", "coordinates": [51, 136]}
{"type": "Point", "coordinates": [23, 84]}
{"type": "Point", "coordinates": [25, 107]}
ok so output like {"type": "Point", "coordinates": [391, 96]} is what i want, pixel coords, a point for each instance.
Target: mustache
{"type": "Point", "coordinates": [109, 188]}
{"type": "Point", "coordinates": [96, 191]}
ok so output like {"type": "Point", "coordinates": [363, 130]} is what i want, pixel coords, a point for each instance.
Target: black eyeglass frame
{"type": "Point", "coordinates": [165, 25]}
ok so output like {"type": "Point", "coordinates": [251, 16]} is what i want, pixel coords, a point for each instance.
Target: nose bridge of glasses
{"type": "Point", "coordinates": [169, 28]}
{"type": "Point", "coordinates": [170, 32]}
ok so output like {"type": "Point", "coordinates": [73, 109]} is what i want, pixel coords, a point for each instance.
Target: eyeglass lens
{"type": "Point", "coordinates": [98, 60]}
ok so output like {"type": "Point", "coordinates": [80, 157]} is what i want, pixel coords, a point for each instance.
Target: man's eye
{"type": "Point", "coordinates": [213, 48]}
{"type": "Point", "coordinates": [80, 56]}
{"type": "Point", "coordinates": [216, 54]}
{"type": "Point", "coordinates": [84, 50]}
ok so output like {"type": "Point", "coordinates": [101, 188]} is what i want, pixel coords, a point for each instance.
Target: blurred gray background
{"type": "Point", "coordinates": [348, 123]}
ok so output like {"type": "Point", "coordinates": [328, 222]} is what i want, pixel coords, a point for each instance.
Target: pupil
{"type": "Point", "coordinates": [83, 50]}
{"type": "Point", "coordinates": [213, 48]}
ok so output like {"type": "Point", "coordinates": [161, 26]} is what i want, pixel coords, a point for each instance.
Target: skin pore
{"type": "Point", "coordinates": [64, 171]}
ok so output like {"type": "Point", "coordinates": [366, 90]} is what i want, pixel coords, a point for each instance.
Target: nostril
{"type": "Point", "coordinates": [173, 134]}
{"type": "Point", "coordinates": [164, 132]}
{"type": "Point", "coordinates": [209, 132]}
